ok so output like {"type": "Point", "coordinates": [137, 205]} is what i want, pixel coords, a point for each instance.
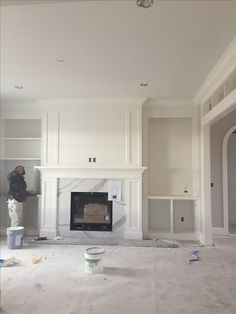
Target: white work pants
{"type": "Point", "coordinates": [15, 212]}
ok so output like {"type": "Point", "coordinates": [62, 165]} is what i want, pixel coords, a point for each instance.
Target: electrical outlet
{"type": "Point", "coordinates": [182, 219]}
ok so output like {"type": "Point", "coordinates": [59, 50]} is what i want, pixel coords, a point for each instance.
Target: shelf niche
{"type": "Point", "coordinates": [170, 156]}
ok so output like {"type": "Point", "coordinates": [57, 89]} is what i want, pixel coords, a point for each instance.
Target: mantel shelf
{"type": "Point", "coordinates": [172, 197]}
{"type": "Point", "coordinates": [79, 171]}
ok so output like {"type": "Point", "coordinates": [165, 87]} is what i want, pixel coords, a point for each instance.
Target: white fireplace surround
{"type": "Point", "coordinates": [130, 176]}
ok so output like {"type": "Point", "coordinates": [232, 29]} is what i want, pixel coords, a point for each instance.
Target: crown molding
{"type": "Point", "coordinates": [225, 65]}
{"type": "Point", "coordinates": [154, 103]}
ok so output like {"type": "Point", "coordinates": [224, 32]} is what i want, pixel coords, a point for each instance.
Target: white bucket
{"type": "Point", "coordinates": [93, 260]}
{"type": "Point", "coordinates": [15, 237]}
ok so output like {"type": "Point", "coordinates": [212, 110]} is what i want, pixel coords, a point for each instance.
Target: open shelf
{"type": "Point", "coordinates": [21, 139]}
{"type": "Point", "coordinates": [170, 215]}
{"type": "Point", "coordinates": [19, 158]}
{"type": "Point", "coordinates": [226, 88]}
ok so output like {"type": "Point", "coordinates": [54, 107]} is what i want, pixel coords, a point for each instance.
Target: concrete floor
{"type": "Point", "coordinates": [135, 280]}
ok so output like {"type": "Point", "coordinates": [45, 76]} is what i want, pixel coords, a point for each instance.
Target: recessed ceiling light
{"type": "Point", "coordinates": [19, 87]}
{"type": "Point", "coordinates": [60, 60]}
{"type": "Point", "coordinates": [144, 84]}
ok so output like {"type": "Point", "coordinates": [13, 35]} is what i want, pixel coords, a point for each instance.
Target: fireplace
{"type": "Point", "coordinates": [91, 211]}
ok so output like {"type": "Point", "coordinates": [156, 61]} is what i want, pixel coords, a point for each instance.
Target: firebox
{"type": "Point", "coordinates": [91, 211]}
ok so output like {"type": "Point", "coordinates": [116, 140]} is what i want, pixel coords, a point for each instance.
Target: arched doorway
{"type": "Point", "coordinates": [229, 180]}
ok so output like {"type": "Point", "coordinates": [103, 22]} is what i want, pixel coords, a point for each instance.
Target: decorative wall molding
{"type": "Point", "coordinates": [220, 71]}
{"type": "Point", "coordinates": [225, 179]}
{"type": "Point", "coordinates": [227, 105]}
{"type": "Point", "coordinates": [155, 103]}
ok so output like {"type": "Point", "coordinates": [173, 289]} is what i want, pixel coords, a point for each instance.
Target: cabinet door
{"type": "Point", "coordinates": [100, 135]}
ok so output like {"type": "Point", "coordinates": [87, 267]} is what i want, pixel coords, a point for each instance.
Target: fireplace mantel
{"type": "Point", "coordinates": [111, 172]}
{"type": "Point", "coordinates": [131, 177]}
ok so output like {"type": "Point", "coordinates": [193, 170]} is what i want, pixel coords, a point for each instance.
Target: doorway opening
{"type": "Point", "coordinates": [229, 181]}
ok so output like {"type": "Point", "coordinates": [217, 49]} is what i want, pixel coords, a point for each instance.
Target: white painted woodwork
{"type": "Point", "coordinates": [219, 88]}
{"type": "Point", "coordinates": [110, 135]}
{"type": "Point", "coordinates": [52, 148]}
{"type": "Point", "coordinates": [48, 220]}
{"type": "Point", "coordinates": [93, 134]}
{"type": "Point", "coordinates": [220, 72]}
{"type": "Point", "coordinates": [220, 132]}
{"type": "Point", "coordinates": [232, 179]}
{"type": "Point", "coordinates": [133, 194]}
{"type": "Point", "coordinates": [225, 180]}
{"type": "Point", "coordinates": [226, 106]}
{"type": "Point", "coordinates": [176, 128]}
{"type": "Point", "coordinates": [133, 228]}
{"type": "Point", "coordinates": [164, 217]}
{"type": "Point", "coordinates": [205, 211]}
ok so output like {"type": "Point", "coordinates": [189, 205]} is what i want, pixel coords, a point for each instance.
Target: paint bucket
{"type": "Point", "coordinates": [15, 237]}
{"type": "Point", "coordinates": [93, 260]}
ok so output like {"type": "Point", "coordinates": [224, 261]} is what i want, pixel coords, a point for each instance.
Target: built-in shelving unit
{"type": "Point", "coordinates": [172, 216]}
{"type": "Point", "coordinates": [21, 145]}
{"type": "Point", "coordinates": [223, 90]}
{"type": "Point", "coordinates": [21, 139]}
{"type": "Point", "coordinates": [170, 181]}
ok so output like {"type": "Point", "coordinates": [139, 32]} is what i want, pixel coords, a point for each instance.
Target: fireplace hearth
{"type": "Point", "coordinates": [91, 211]}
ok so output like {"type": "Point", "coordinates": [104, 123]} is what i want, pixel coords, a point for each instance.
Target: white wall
{"type": "Point", "coordinates": [170, 156]}
{"type": "Point", "coordinates": [231, 155]}
{"type": "Point", "coordinates": [218, 131]}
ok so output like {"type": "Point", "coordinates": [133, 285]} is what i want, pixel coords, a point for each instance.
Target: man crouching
{"type": "Point", "coordinates": [16, 195]}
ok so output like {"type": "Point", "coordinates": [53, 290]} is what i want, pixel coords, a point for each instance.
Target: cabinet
{"type": "Point", "coordinates": [172, 217]}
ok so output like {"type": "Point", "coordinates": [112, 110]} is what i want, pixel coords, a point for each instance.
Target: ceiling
{"type": "Point", "coordinates": [109, 48]}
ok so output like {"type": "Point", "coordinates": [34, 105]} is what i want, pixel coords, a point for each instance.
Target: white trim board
{"type": "Point", "coordinates": [218, 74]}
{"type": "Point", "coordinates": [225, 179]}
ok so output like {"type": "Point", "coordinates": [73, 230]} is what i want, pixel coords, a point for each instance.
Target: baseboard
{"type": "Point", "coordinates": [133, 235]}
{"type": "Point", "coordinates": [218, 231]}
{"type": "Point", "coordinates": [50, 234]}
{"type": "Point", "coordinates": [174, 236]}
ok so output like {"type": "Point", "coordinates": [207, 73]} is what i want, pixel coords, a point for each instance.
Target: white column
{"type": "Point", "coordinates": [206, 215]}
{"type": "Point", "coordinates": [133, 228]}
{"type": "Point", "coordinates": [52, 138]}
{"type": "Point", "coordinates": [48, 221]}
